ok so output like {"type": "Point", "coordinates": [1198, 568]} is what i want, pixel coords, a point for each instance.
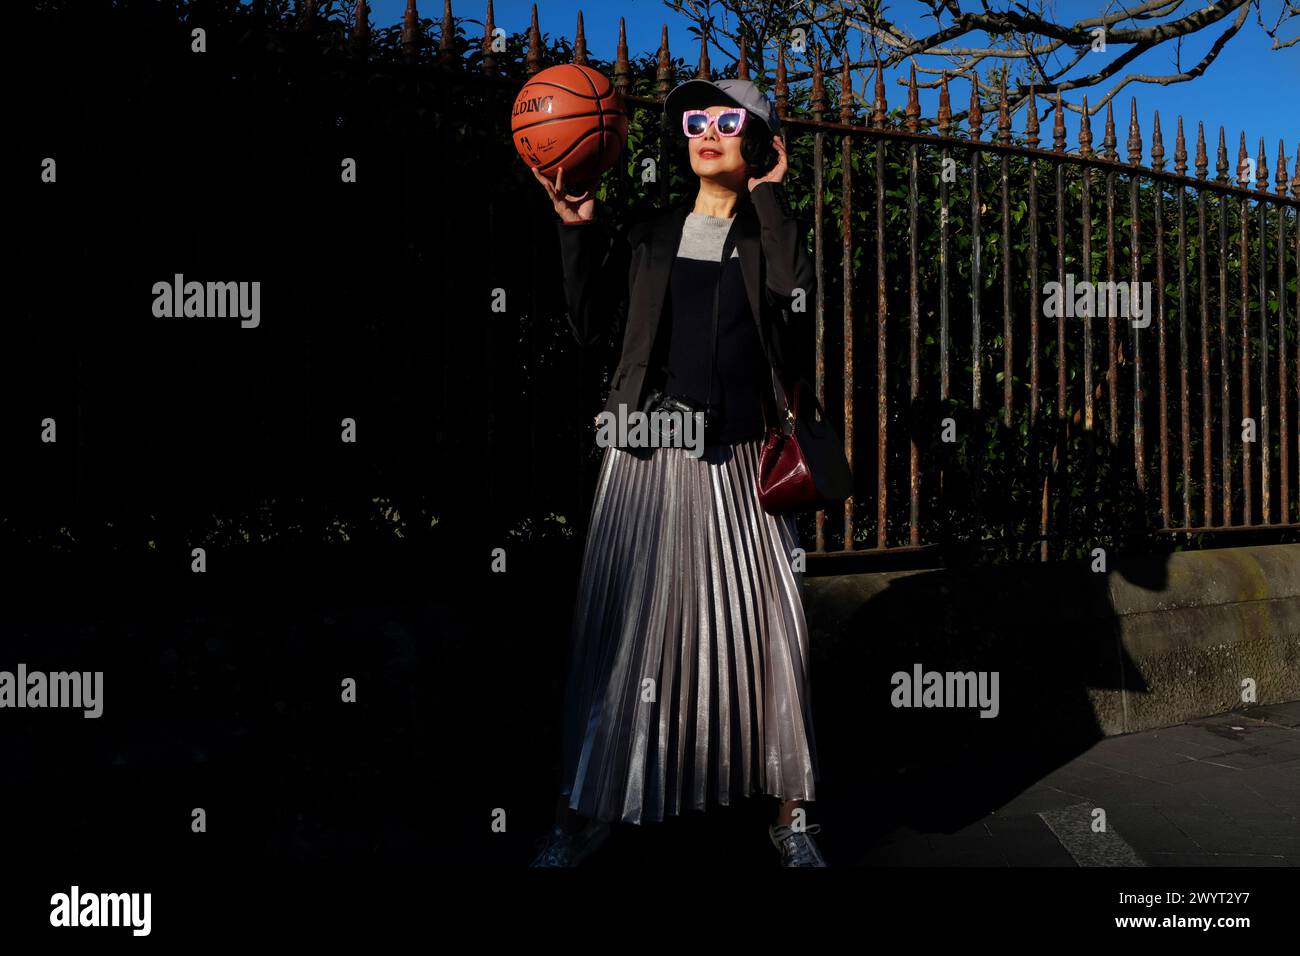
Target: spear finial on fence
{"type": "Point", "coordinates": [1085, 130]}
{"type": "Point", "coordinates": [742, 65]}
{"type": "Point", "coordinates": [1157, 145]}
{"type": "Point", "coordinates": [782, 88]}
{"type": "Point", "coordinates": [1031, 120]}
{"type": "Point", "coordinates": [1004, 116]}
{"type": "Point", "coordinates": [1108, 140]}
{"type": "Point", "coordinates": [1180, 150]}
{"type": "Point", "coordinates": [1221, 161]}
{"type": "Point", "coordinates": [664, 69]}
{"type": "Point", "coordinates": [580, 43]}
{"type": "Point", "coordinates": [913, 103]}
{"type": "Point", "coordinates": [446, 43]}
{"type": "Point", "coordinates": [489, 58]}
{"type": "Point", "coordinates": [1134, 134]}
{"type": "Point", "coordinates": [974, 118]}
{"type": "Point", "coordinates": [1295, 180]}
{"type": "Point", "coordinates": [1243, 163]}
{"type": "Point", "coordinates": [411, 30]}
{"type": "Point", "coordinates": [1261, 168]}
{"type": "Point", "coordinates": [361, 27]}
{"type": "Point", "coordinates": [846, 92]}
{"type": "Point", "coordinates": [704, 73]}
{"type": "Point", "coordinates": [1281, 169]}
{"type": "Point", "coordinates": [1058, 125]}
{"type": "Point", "coordinates": [533, 62]}
{"type": "Point", "coordinates": [622, 69]}
{"type": "Point", "coordinates": [818, 85]}
{"type": "Point", "coordinates": [1202, 160]}
{"type": "Point", "coordinates": [881, 109]}
{"type": "Point", "coordinates": [945, 108]}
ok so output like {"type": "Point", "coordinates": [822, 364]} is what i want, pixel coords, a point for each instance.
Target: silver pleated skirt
{"type": "Point", "coordinates": [688, 679]}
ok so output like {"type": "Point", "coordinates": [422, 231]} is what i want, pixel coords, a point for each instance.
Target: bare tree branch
{"type": "Point", "coordinates": [1012, 31]}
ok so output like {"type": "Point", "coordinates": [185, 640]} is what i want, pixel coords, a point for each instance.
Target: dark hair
{"type": "Point", "coordinates": [756, 147]}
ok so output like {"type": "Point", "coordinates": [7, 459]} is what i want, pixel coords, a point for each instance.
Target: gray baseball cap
{"type": "Point", "coordinates": [701, 94]}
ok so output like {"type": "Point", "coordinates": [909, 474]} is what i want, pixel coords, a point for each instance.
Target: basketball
{"type": "Point", "coordinates": [569, 116]}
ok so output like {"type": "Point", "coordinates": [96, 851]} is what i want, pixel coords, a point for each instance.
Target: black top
{"type": "Point", "coordinates": [617, 277]}
{"type": "Point", "coordinates": [741, 371]}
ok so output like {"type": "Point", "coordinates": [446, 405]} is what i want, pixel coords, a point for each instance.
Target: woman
{"type": "Point", "coordinates": [689, 673]}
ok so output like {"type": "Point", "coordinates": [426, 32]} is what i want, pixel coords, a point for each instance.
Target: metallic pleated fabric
{"type": "Point", "coordinates": [687, 583]}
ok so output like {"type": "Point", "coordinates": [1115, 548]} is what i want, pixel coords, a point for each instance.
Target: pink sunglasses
{"type": "Point", "coordinates": [695, 123]}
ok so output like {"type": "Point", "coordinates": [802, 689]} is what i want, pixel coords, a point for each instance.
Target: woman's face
{"type": "Point", "coordinates": [718, 157]}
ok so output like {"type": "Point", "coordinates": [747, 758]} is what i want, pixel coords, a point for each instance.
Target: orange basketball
{"type": "Point", "coordinates": [569, 116]}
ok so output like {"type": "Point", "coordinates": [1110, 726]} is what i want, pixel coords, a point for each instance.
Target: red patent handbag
{"type": "Point", "coordinates": [802, 466]}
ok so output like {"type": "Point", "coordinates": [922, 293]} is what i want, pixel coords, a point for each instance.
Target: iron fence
{"type": "Point", "coordinates": [1219, 317]}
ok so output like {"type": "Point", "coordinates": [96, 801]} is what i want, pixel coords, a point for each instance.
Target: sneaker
{"type": "Point", "coordinates": [561, 848]}
{"type": "Point", "coordinates": [796, 847]}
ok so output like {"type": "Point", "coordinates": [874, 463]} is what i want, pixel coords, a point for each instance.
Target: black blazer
{"type": "Point", "coordinates": [621, 274]}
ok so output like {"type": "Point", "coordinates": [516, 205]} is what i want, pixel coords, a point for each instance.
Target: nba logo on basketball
{"type": "Point", "coordinates": [528, 151]}
{"type": "Point", "coordinates": [574, 117]}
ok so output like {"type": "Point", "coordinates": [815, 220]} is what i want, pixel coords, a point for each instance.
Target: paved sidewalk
{"type": "Point", "coordinates": [1221, 791]}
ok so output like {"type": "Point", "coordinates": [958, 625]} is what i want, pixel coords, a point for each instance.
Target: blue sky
{"type": "Point", "coordinates": [1249, 87]}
